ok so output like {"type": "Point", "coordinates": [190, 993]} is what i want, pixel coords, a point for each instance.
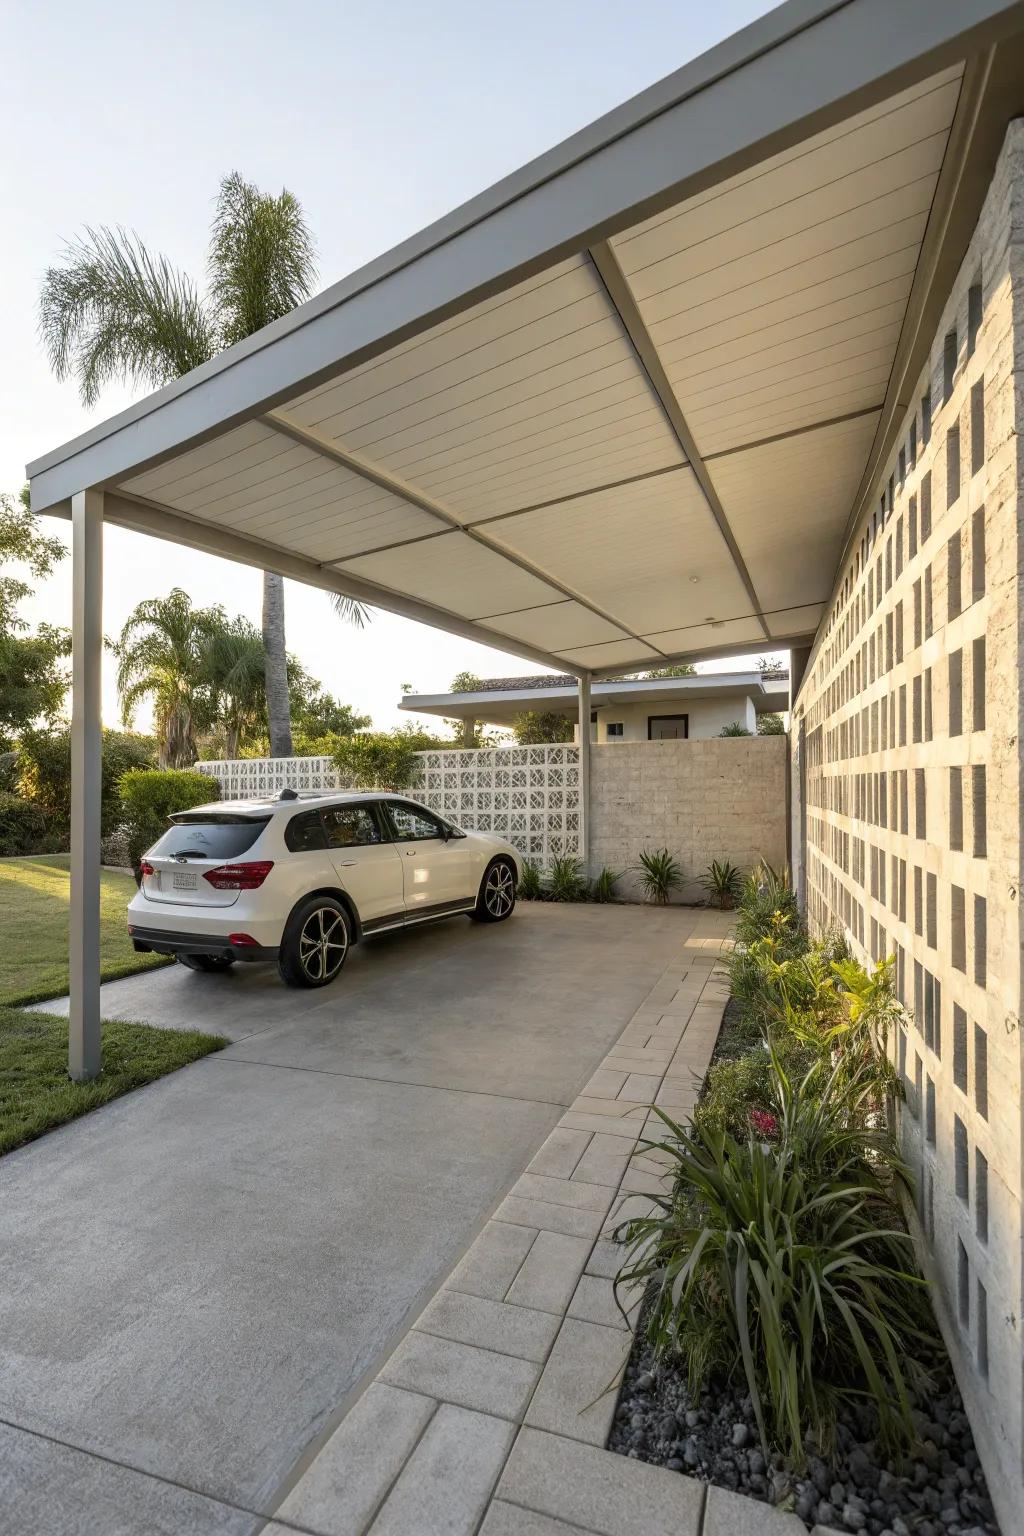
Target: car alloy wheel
{"type": "Point", "coordinates": [323, 943]}
{"type": "Point", "coordinates": [499, 890]}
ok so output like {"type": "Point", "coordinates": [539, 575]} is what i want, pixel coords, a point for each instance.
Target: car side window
{"type": "Point", "coordinates": [412, 825]}
{"type": "Point", "coordinates": [305, 832]}
{"type": "Point", "coordinates": [350, 826]}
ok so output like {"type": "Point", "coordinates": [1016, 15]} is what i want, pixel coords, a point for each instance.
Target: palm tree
{"type": "Point", "coordinates": [111, 310]}
{"type": "Point", "coordinates": [234, 670]}
{"type": "Point", "coordinates": [162, 654]}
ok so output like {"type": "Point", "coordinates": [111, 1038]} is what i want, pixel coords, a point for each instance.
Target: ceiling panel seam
{"type": "Point", "coordinates": [621, 298]}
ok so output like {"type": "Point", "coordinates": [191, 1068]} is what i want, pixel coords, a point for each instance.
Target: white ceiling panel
{"type": "Point", "coordinates": [788, 503]}
{"type": "Point", "coordinates": [647, 553]}
{"type": "Point", "coordinates": [618, 654]}
{"type": "Point", "coordinates": [706, 637]}
{"type": "Point", "coordinates": [909, 115]}
{"type": "Point", "coordinates": [457, 573]}
{"type": "Point", "coordinates": [214, 463]}
{"type": "Point", "coordinates": [556, 626]}
{"type": "Point", "coordinates": [796, 621]}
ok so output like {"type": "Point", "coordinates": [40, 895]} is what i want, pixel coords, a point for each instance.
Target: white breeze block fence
{"type": "Point", "coordinates": [528, 795]}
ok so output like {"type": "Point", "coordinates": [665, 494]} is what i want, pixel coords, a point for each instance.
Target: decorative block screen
{"type": "Point", "coordinates": [529, 795]}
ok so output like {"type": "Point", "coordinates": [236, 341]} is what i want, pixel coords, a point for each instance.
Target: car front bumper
{"type": "Point", "coordinates": [166, 941]}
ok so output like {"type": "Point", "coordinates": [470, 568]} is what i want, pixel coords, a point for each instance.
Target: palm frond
{"type": "Point", "coordinates": [262, 258]}
{"type": "Point", "coordinates": [110, 310]}
{"type": "Point", "coordinates": [351, 611]}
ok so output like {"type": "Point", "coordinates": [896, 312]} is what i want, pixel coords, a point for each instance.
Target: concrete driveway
{"type": "Point", "coordinates": [194, 1278]}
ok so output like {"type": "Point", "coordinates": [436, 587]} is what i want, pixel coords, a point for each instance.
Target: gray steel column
{"type": "Point", "coordinates": [84, 1050]}
{"type": "Point", "coordinates": [584, 703]}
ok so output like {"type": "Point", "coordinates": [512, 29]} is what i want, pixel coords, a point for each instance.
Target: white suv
{"type": "Point", "coordinates": [300, 879]}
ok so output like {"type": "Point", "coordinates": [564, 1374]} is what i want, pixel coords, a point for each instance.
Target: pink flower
{"type": "Point", "coordinates": [764, 1123]}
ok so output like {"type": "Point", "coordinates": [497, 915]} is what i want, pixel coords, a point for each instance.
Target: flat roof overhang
{"type": "Point", "coordinates": [502, 706]}
{"type": "Point", "coordinates": [626, 406]}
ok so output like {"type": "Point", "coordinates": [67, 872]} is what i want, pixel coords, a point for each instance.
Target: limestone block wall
{"type": "Point", "coordinates": [907, 742]}
{"type": "Point", "coordinates": [703, 800]}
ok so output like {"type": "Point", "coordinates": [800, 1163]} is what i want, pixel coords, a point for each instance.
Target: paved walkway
{"type": "Point", "coordinates": [197, 1280]}
{"type": "Point", "coordinates": [492, 1414]}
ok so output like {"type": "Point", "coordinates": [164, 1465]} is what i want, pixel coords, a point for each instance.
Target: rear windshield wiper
{"type": "Point", "coordinates": [190, 853]}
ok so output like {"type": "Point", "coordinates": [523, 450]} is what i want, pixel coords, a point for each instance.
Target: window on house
{"type": "Point", "coordinates": [615, 730]}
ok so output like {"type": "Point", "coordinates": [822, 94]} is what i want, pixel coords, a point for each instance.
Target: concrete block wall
{"type": "Point", "coordinates": [703, 800]}
{"type": "Point", "coordinates": [907, 738]}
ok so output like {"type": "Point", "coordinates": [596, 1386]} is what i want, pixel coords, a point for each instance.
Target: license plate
{"type": "Point", "coordinates": [183, 882]}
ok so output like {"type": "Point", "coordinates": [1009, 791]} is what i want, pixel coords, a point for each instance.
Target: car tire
{"type": "Point", "coordinates": [316, 942]}
{"type": "Point", "coordinates": [496, 900]}
{"type": "Point", "coordinates": [210, 963]}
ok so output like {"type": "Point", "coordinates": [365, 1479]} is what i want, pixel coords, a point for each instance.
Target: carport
{"type": "Point", "coordinates": [621, 409]}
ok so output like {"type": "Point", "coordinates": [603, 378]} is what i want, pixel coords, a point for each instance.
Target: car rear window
{"type": "Point", "coordinates": [209, 837]}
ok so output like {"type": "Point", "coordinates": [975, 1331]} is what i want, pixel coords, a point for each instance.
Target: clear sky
{"type": "Point", "coordinates": [379, 117]}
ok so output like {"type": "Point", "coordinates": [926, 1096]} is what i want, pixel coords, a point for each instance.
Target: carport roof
{"type": "Point", "coordinates": [625, 406]}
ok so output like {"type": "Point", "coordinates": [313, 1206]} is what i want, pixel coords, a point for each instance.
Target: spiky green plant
{"type": "Point", "coordinates": [602, 887]}
{"type": "Point", "coordinates": [767, 894]}
{"type": "Point", "coordinates": [722, 882]}
{"type": "Point", "coordinates": [735, 729]}
{"type": "Point", "coordinates": [531, 887]}
{"type": "Point", "coordinates": [784, 1255]}
{"type": "Point", "coordinates": [660, 874]}
{"type": "Point", "coordinates": [565, 880]}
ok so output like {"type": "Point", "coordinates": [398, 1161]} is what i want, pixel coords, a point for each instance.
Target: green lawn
{"type": "Point", "coordinates": [35, 1091]}
{"type": "Point", "coordinates": [34, 895]}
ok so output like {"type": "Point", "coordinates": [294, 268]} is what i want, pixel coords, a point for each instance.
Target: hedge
{"type": "Point", "coordinates": [148, 797]}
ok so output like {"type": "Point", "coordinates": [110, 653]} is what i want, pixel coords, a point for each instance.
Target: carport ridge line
{"type": "Point", "coordinates": [619, 1196]}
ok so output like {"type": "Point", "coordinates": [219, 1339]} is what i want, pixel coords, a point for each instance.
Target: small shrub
{"type": "Point", "coordinates": [23, 827]}
{"type": "Point", "coordinates": [722, 882]}
{"type": "Point", "coordinates": [44, 775]}
{"type": "Point", "coordinates": [565, 881]}
{"type": "Point", "coordinates": [767, 895]}
{"type": "Point", "coordinates": [735, 729]}
{"type": "Point", "coordinates": [530, 885]}
{"type": "Point", "coordinates": [602, 887]}
{"type": "Point", "coordinates": [735, 1091]}
{"type": "Point", "coordinates": [660, 874]}
{"type": "Point", "coordinates": [377, 760]}
{"type": "Point", "coordinates": [149, 796]}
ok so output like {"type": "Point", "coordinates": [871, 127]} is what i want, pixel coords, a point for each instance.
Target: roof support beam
{"type": "Point", "coordinates": [146, 516]}
{"type": "Point", "coordinates": [620, 295]}
{"type": "Point", "coordinates": [328, 448]}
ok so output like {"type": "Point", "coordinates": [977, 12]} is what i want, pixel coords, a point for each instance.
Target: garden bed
{"type": "Point", "coordinates": [919, 1474]}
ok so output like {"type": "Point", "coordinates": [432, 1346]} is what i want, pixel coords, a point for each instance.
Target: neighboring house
{"type": "Point", "coordinates": [624, 708]}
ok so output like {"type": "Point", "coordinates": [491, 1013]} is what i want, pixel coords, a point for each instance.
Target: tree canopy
{"type": "Point", "coordinates": [33, 677]}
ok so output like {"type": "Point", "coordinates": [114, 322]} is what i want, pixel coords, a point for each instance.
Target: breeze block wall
{"type": "Point", "coordinates": [702, 800]}
{"type": "Point", "coordinates": [907, 744]}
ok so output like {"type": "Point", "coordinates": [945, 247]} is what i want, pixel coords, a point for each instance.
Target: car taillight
{"type": "Point", "coordinates": [242, 938]}
{"type": "Point", "coordinates": [239, 877]}
{"type": "Point", "coordinates": [145, 868]}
